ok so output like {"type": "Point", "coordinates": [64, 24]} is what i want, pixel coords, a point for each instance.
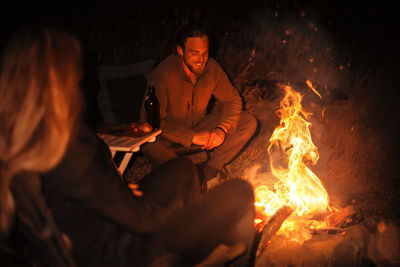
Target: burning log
{"type": "Point", "coordinates": [346, 217]}
{"type": "Point", "coordinates": [272, 227]}
{"type": "Point", "coordinates": [268, 231]}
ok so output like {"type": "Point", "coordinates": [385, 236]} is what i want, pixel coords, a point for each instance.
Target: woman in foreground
{"type": "Point", "coordinates": [39, 104]}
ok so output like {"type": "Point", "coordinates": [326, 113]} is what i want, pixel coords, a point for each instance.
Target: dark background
{"type": "Point", "coordinates": [371, 24]}
{"type": "Point", "coordinates": [367, 30]}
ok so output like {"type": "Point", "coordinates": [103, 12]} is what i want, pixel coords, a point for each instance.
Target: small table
{"type": "Point", "coordinates": [126, 142]}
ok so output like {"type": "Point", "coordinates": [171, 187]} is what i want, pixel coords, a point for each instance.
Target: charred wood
{"type": "Point", "coordinates": [267, 232]}
{"type": "Point", "coordinates": [348, 216]}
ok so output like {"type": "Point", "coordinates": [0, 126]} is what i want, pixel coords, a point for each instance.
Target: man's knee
{"type": "Point", "coordinates": [248, 123]}
{"type": "Point", "coordinates": [158, 152]}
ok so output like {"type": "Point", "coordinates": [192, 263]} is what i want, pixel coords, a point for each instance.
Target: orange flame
{"type": "Point", "coordinates": [308, 82]}
{"type": "Point", "coordinates": [290, 149]}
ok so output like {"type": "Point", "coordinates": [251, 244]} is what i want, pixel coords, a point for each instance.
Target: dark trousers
{"type": "Point", "coordinates": [224, 215]}
{"type": "Point", "coordinates": [163, 149]}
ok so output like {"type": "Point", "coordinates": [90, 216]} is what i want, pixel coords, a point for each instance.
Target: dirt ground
{"type": "Point", "coordinates": [356, 166]}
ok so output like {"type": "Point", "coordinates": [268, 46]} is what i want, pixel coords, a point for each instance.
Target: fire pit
{"type": "Point", "coordinates": [291, 149]}
{"type": "Point", "coordinates": [296, 223]}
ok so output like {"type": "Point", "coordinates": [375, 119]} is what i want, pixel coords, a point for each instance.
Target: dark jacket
{"type": "Point", "coordinates": [34, 226]}
{"type": "Point", "coordinates": [95, 208]}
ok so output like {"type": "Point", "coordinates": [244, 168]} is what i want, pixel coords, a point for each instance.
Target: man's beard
{"type": "Point", "coordinates": [193, 69]}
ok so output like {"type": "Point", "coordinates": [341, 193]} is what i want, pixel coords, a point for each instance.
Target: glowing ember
{"type": "Point", "coordinates": [298, 187]}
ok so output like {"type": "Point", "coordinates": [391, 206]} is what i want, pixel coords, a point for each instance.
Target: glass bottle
{"type": "Point", "coordinates": [152, 107]}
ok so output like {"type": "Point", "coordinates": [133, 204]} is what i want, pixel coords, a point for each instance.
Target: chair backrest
{"type": "Point", "coordinates": [122, 89]}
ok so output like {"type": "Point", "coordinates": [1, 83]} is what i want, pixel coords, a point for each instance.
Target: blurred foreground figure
{"type": "Point", "coordinates": [39, 104]}
{"type": "Point", "coordinates": [107, 223]}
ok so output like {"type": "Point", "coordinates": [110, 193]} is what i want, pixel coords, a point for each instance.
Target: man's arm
{"type": "Point", "coordinates": [230, 99]}
{"type": "Point", "coordinates": [231, 103]}
{"type": "Point", "coordinates": [176, 133]}
{"type": "Point", "coordinates": [172, 130]}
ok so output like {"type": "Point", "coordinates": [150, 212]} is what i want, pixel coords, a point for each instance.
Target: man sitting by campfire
{"type": "Point", "coordinates": [184, 84]}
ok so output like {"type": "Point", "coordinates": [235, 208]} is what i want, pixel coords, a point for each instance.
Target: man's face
{"type": "Point", "coordinates": [195, 54]}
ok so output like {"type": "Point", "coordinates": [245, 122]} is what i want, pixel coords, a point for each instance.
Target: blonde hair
{"type": "Point", "coordinates": [39, 104]}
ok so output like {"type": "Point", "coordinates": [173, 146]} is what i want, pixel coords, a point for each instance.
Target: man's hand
{"type": "Point", "coordinates": [201, 139]}
{"type": "Point", "coordinates": [217, 137]}
{"type": "Point", "coordinates": [209, 140]}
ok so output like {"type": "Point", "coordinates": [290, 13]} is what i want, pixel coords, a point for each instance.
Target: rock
{"type": "Point", "coordinates": [384, 245]}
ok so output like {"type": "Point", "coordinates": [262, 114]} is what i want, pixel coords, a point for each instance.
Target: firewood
{"type": "Point", "coordinates": [272, 227]}
{"type": "Point", "coordinates": [348, 216]}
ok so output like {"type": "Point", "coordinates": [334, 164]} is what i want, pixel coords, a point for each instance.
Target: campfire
{"type": "Point", "coordinates": [297, 205]}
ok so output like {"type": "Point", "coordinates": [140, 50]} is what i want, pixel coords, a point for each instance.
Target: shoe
{"type": "Point", "coordinates": [213, 182]}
